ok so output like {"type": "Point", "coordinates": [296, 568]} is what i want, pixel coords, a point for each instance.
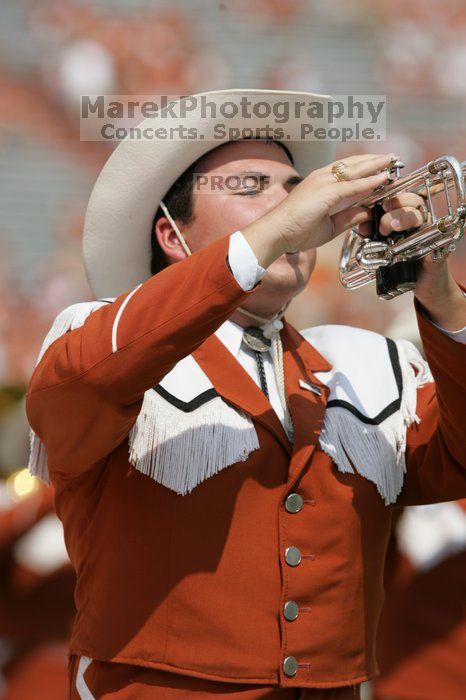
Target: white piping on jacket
{"type": "Point", "coordinates": [118, 316]}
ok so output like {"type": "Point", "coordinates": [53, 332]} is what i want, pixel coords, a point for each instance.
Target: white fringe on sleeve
{"type": "Point", "coordinates": [67, 320]}
{"type": "Point", "coordinates": [178, 449]}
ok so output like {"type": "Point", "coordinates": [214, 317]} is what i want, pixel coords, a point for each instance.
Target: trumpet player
{"type": "Point", "coordinates": [227, 483]}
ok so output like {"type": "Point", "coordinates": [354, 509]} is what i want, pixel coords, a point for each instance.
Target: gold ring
{"type": "Point", "coordinates": [340, 171]}
{"type": "Point", "coordinates": [425, 212]}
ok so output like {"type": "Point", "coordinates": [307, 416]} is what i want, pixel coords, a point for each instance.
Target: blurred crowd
{"type": "Point", "coordinates": [418, 59]}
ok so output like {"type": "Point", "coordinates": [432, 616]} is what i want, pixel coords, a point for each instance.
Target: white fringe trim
{"type": "Point", "coordinates": [180, 455]}
{"type": "Point", "coordinates": [177, 449]}
{"type": "Point", "coordinates": [67, 320]}
{"type": "Point", "coordinates": [180, 450]}
{"type": "Point", "coordinates": [378, 451]}
{"type": "Point", "coordinates": [37, 464]}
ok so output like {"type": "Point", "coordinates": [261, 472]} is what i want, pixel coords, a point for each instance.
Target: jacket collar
{"type": "Point", "coordinates": [231, 335]}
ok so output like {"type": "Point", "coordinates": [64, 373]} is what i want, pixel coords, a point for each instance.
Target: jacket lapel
{"type": "Point", "coordinates": [307, 408]}
{"type": "Point", "coordinates": [235, 385]}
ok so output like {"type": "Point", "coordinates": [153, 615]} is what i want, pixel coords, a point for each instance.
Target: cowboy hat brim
{"type": "Point", "coordinates": [127, 193]}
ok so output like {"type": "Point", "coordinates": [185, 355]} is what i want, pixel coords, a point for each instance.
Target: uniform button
{"type": "Point", "coordinates": [292, 556]}
{"type": "Point", "coordinates": [291, 610]}
{"type": "Point", "coordinates": [290, 665]}
{"type": "Point", "coordinates": [294, 503]}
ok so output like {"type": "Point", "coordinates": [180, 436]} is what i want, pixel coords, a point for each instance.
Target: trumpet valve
{"type": "Point", "coordinates": [394, 168]}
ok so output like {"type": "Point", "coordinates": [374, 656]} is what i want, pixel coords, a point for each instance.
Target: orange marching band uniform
{"type": "Point", "coordinates": [200, 584]}
{"type": "Point", "coordinates": [210, 545]}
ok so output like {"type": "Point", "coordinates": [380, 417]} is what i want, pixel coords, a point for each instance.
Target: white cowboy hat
{"type": "Point", "coordinates": [138, 174]}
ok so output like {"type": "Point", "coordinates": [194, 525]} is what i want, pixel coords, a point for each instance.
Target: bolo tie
{"type": "Point", "coordinates": [254, 338]}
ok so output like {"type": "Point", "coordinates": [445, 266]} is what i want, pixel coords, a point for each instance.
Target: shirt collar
{"type": "Point", "coordinates": [231, 335]}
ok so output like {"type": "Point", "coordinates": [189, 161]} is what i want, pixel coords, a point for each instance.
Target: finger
{"type": "Point", "coordinates": [349, 160]}
{"type": "Point", "coordinates": [359, 187]}
{"type": "Point", "coordinates": [405, 199]}
{"type": "Point", "coordinates": [403, 219]}
{"type": "Point", "coordinates": [365, 229]}
{"type": "Point", "coordinates": [344, 195]}
{"type": "Point", "coordinates": [370, 166]}
{"type": "Point", "coordinates": [352, 216]}
{"type": "Point", "coordinates": [362, 167]}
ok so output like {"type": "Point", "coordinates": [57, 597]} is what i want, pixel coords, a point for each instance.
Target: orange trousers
{"type": "Point", "coordinates": [101, 680]}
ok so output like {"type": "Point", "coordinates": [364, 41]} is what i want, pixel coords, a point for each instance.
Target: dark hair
{"type": "Point", "coordinates": [179, 202]}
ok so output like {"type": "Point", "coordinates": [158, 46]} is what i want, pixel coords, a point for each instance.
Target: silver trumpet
{"type": "Point", "coordinates": [392, 260]}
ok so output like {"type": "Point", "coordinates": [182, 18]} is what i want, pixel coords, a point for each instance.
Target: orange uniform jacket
{"type": "Point", "coordinates": [196, 584]}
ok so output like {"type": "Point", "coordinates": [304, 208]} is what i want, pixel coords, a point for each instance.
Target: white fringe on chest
{"type": "Point", "coordinates": [178, 449]}
{"type": "Point", "coordinates": [180, 452]}
{"type": "Point", "coordinates": [181, 448]}
{"type": "Point", "coordinates": [363, 377]}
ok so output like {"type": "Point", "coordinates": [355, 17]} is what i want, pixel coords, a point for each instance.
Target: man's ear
{"type": "Point", "coordinates": [168, 240]}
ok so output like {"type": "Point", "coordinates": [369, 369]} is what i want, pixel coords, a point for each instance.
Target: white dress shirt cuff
{"type": "Point", "coordinates": [243, 263]}
{"type": "Point", "coordinates": [459, 336]}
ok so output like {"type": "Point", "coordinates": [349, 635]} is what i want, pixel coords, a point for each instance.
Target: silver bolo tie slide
{"type": "Point", "coordinates": [256, 340]}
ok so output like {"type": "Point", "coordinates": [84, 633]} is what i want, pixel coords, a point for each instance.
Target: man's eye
{"type": "Point", "coordinates": [249, 192]}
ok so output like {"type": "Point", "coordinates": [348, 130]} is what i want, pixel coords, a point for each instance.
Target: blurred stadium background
{"type": "Point", "coordinates": [50, 52]}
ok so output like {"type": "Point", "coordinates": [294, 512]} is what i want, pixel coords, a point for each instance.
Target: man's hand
{"type": "Point", "coordinates": [320, 208]}
{"type": "Point", "coordinates": [317, 210]}
{"type": "Point", "coordinates": [437, 291]}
